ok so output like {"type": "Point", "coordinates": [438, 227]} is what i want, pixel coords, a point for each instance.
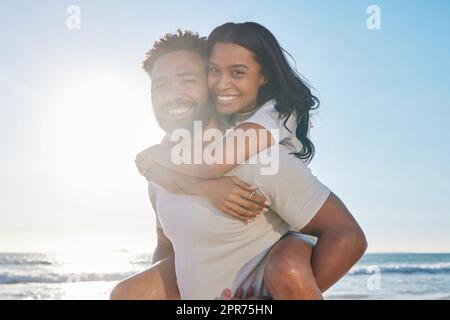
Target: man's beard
{"type": "Point", "coordinates": [202, 112]}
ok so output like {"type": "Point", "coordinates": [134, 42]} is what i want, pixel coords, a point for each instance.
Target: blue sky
{"type": "Point", "coordinates": [75, 109]}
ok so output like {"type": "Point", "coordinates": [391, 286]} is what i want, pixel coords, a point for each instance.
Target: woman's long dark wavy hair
{"type": "Point", "coordinates": [285, 84]}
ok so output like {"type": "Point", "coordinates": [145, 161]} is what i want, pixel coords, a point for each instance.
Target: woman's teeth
{"type": "Point", "coordinates": [226, 98]}
{"type": "Point", "coordinates": [179, 110]}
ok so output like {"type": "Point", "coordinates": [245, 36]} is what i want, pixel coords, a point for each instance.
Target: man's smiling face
{"type": "Point", "coordinates": [179, 90]}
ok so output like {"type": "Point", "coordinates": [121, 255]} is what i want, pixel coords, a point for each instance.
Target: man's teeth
{"type": "Point", "coordinates": [226, 98]}
{"type": "Point", "coordinates": [179, 110]}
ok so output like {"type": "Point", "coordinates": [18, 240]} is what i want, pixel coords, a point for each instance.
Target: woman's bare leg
{"type": "Point", "coordinates": [156, 283]}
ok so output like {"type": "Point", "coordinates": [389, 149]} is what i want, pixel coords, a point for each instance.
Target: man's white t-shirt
{"type": "Point", "coordinates": [214, 251]}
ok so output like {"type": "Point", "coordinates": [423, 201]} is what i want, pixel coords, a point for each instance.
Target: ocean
{"type": "Point", "coordinates": [92, 276]}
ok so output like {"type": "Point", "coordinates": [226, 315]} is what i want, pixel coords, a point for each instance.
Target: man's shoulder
{"type": "Point", "coordinates": [153, 190]}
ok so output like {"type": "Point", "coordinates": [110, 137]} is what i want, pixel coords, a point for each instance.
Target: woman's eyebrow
{"type": "Point", "coordinates": [239, 66]}
{"type": "Point", "coordinates": [232, 66]}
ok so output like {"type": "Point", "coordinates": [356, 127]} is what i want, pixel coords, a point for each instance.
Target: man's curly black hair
{"type": "Point", "coordinates": [172, 42]}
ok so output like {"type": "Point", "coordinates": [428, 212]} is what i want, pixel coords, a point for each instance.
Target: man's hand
{"type": "Point", "coordinates": [234, 197]}
{"type": "Point", "coordinates": [239, 295]}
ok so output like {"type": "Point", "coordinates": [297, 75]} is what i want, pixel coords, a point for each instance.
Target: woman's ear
{"type": "Point", "coordinates": [264, 81]}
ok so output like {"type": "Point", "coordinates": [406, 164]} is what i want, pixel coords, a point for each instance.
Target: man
{"type": "Point", "coordinates": [211, 251]}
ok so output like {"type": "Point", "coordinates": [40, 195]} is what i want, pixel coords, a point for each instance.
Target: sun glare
{"type": "Point", "coordinates": [95, 123]}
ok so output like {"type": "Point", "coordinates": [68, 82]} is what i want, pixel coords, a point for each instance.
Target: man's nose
{"type": "Point", "coordinates": [172, 95]}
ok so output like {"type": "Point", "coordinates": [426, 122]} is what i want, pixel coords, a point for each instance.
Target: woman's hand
{"type": "Point", "coordinates": [235, 197]}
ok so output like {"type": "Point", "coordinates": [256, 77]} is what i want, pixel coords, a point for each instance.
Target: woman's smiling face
{"type": "Point", "coordinates": [234, 78]}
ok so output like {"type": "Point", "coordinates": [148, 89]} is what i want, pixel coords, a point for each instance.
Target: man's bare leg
{"type": "Point", "coordinates": [156, 283]}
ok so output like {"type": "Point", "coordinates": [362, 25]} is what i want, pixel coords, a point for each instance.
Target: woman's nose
{"type": "Point", "coordinates": [223, 82]}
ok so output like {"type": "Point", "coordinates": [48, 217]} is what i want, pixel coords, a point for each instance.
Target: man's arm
{"type": "Point", "coordinates": [163, 248]}
{"type": "Point", "coordinates": [341, 242]}
{"type": "Point", "coordinates": [307, 205]}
